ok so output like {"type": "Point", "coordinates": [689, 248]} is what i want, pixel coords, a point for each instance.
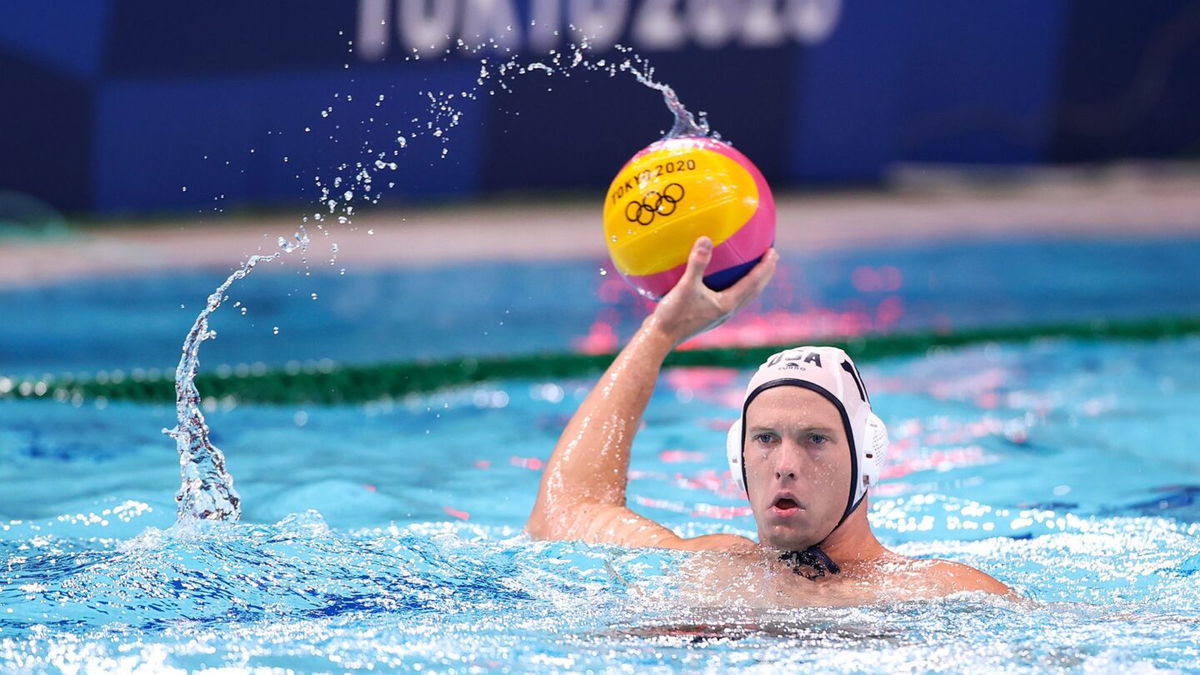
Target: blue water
{"type": "Point", "coordinates": [506, 308]}
{"type": "Point", "coordinates": [388, 535]}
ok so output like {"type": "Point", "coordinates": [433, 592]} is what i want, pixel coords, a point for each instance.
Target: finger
{"type": "Point", "coordinates": [749, 286]}
{"type": "Point", "coordinates": [698, 260]}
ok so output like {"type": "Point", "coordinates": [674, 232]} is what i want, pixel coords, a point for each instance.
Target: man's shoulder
{"type": "Point", "coordinates": [725, 543]}
{"type": "Point", "coordinates": [955, 577]}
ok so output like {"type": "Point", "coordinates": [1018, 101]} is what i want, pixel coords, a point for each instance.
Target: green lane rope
{"type": "Point", "coordinates": [333, 384]}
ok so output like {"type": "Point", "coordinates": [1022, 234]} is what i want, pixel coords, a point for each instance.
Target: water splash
{"type": "Point", "coordinates": [206, 489]}
{"type": "Point", "coordinates": [578, 56]}
{"type": "Point", "coordinates": [685, 124]}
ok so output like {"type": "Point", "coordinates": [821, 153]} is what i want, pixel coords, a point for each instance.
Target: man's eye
{"type": "Point", "coordinates": [819, 439]}
{"type": "Point", "coordinates": [764, 438]}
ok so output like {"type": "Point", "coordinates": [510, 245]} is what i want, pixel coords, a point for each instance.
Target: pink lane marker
{"type": "Point", "coordinates": [703, 378]}
{"type": "Point", "coordinates": [988, 400]}
{"type": "Point", "coordinates": [531, 463]}
{"type": "Point", "coordinates": [884, 279]}
{"type": "Point", "coordinates": [601, 339]}
{"type": "Point", "coordinates": [483, 464]}
{"type": "Point", "coordinates": [370, 488]}
{"type": "Point", "coordinates": [682, 456]}
{"type": "Point", "coordinates": [723, 512]}
{"type": "Point", "coordinates": [461, 515]}
{"type": "Point", "coordinates": [723, 423]}
{"type": "Point", "coordinates": [721, 484]}
{"type": "Point", "coordinates": [677, 507]}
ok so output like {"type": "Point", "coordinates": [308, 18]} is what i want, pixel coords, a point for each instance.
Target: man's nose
{"type": "Point", "coordinates": [787, 464]}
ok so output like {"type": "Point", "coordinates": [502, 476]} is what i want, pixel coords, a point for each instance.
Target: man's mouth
{"type": "Point", "coordinates": [785, 506]}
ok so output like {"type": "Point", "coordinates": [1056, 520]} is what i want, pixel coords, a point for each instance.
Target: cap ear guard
{"type": "Point", "coordinates": [872, 453]}
{"type": "Point", "coordinates": [733, 453]}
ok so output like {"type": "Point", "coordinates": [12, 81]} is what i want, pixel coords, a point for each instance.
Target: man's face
{"type": "Point", "coordinates": [797, 460]}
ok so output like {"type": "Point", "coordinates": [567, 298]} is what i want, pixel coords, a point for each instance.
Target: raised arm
{"type": "Point", "coordinates": [582, 495]}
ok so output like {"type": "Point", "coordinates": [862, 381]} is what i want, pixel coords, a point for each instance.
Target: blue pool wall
{"type": "Point", "coordinates": [118, 105]}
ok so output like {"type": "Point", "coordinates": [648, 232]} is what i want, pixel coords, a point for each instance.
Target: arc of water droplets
{"type": "Point", "coordinates": [357, 181]}
{"type": "Point", "coordinates": [685, 123]}
{"type": "Point", "coordinates": [206, 491]}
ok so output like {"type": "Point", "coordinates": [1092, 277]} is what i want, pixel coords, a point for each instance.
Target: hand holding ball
{"type": "Point", "coordinates": [675, 191]}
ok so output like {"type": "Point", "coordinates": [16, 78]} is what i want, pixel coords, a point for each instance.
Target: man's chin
{"type": "Point", "coordinates": [788, 539]}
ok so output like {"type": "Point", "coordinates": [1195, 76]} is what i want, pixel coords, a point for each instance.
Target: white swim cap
{"type": "Point", "coordinates": [829, 372]}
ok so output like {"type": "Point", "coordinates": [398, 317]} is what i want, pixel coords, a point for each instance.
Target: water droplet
{"type": "Point", "coordinates": [275, 330]}
{"type": "Point", "coordinates": [603, 272]}
{"type": "Point", "coordinates": [314, 296]}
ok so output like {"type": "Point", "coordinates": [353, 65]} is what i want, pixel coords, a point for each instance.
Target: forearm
{"type": "Point", "coordinates": [591, 460]}
{"type": "Point", "coordinates": [582, 495]}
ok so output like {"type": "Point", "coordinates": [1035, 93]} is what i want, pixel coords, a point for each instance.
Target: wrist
{"type": "Point", "coordinates": [654, 330]}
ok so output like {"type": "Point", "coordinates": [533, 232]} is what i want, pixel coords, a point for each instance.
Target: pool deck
{"type": "Point", "coordinates": [921, 205]}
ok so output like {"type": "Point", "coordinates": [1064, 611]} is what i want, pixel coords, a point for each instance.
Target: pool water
{"type": "Point", "coordinates": [388, 535]}
{"type": "Point", "coordinates": [490, 308]}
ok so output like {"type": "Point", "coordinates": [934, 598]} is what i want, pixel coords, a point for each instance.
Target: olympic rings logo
{"type": "Point", "coordinates": [653, 204]}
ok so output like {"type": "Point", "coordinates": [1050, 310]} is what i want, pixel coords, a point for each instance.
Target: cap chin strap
{"type": "Point", "coordinates": [813, 558]}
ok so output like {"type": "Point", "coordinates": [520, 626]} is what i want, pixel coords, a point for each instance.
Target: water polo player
{"type": "Point", "coordinates": [807, 447]}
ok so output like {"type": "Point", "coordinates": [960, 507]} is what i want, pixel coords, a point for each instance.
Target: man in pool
{"type": "Point", "coordinates": [806, 448]}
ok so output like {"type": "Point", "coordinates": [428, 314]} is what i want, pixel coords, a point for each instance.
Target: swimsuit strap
{"type": "Point", "coordinates": [812, 558]}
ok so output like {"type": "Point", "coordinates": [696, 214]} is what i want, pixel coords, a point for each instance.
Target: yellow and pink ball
{"type": "Point", "coordinates": [676, 190]}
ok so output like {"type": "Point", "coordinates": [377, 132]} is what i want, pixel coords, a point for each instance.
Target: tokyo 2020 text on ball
{"type": "Point", "coordinates": [676, 190]}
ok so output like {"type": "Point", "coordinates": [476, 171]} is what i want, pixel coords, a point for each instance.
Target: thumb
{"type": "Point", "coordinates": [698, 259]}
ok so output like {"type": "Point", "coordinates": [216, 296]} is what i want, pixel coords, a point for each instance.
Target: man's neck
{"type": "Point", "coordinates": [852, 545]}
